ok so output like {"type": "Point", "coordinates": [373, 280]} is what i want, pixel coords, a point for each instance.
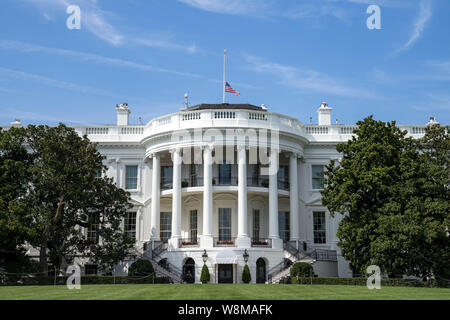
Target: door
{"type": "Point", "coordinates": [225, 273]}
{"type": "Point", "coordinates": [260, 271]}
{"type": "Point", "coordinates": [189, 271]}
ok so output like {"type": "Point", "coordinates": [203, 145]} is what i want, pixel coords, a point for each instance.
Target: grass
{"type": "Point", "coordinates": [221, 292]}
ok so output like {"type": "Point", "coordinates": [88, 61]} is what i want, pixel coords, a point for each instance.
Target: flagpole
{"type": "Point", "coordinates": [224, 79]}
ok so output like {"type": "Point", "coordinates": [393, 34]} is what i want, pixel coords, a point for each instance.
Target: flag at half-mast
{"type": "Point", "coordinates": [228, 88]}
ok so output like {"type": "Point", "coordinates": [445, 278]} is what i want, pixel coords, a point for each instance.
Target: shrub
{"type": "Point", "coordinates": [363, 281]}
{"type": "Point", "coordinates": [301, 269]}
{"type": "Point", "coordinates": [246, 276]}
{"type": "Point", "coordinates": [205, 277]}
{"type": "Point", "coordinates": [140, 267]}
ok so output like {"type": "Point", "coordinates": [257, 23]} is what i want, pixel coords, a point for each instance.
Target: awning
{"type": "Point", "coordinates": [226, 257]}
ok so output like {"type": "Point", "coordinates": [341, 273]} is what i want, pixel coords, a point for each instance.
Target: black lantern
{"type": "Point", "coordinates": [204, 256]}
{"type": "Point", "coordinates": [245, 255]}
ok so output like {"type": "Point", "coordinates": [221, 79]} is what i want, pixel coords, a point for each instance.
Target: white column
{"type": "Point", "coordinates": [294, 214]}
{"type": "Point", "coordinates": [156, 181]}
{"type": "Point", "coordinates": [206, 240]}
{"type": "Point", "coordinates": [243, 238]}
{"type": "Point", "coordinates": [274, 232]}
{"type": "Point", "coordinates": [176, 199]}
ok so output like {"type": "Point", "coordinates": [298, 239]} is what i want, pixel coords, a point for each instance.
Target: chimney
{"type": "Point", "coordinates": [16, 123]}
{"type": "Point", "coordinates": [432, 121]}
{"type": "Point", "coordinates": [123, 114]}
{"type": "Point", "coordinates": [324, 114]}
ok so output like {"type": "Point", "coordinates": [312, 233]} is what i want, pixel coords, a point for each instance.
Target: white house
{"type": "Point", "coordinates": [204, 190]}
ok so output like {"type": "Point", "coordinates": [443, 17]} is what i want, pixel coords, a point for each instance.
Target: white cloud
{"type": "Point", "coordinates": [95, 20]}
{"type": "Point", "coordinates": [237, 7]}
{"type": "Point", "coordinates": [425, 14]}
{"type": "Point", "coordinates": [290, 76]}
{"type": "Point", "coordinates": [25, 47]}
{"type": "Point", "coordinates": [54, 83]}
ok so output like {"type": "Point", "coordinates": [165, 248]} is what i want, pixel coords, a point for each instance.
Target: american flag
{"type": "Point", "coordinates": [228, 88]}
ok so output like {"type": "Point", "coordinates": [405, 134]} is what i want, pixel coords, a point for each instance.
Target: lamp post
{"type": "Point", "coordinates": [245, 255]}
{"type": "Point", "coordinates": [204, 256]}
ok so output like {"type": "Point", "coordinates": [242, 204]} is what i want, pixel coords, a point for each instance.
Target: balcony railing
{"type": "Point", "coordinates": [225, 181]}
{"type": "Point", "coordinates": [228, 242]}
{"type": "Point", "coordinates": [192, 182]}
{"type": "Point", "coordinates": [189, 242]}
{"type": "Point", "coordinates": [166, 184]}
{"type": "Point", "coordinates": [260, 182]}
{"type": "Point", "coordinates": [261, 243]}
{"type": "Point", "coordinates": [324, 255]}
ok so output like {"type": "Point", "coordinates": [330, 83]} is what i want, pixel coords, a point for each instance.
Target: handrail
{"type": "Point", "coordinates": [282, 266]}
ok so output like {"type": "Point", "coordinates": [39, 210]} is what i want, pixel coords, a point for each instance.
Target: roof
{"type": "Point", "coordinates": [206, 106]}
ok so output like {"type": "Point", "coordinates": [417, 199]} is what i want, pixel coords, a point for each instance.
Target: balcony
{"type": "Point", "coordinates": [228, 242]}
{"type": "Point", "coordinates": [261, 243]}
{"type": "Point", "coordinates": [257, 181]}
{"type": "Point", "coordinates": [225, 181]}
{"type": "Point", "coordinates": [189, 242]}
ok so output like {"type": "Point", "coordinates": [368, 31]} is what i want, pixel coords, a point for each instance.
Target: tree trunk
{"type": "Point", "coordinates": [43, 258]}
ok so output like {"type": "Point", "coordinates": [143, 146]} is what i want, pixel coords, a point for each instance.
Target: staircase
{"type": "Point", "coordinates": [153, 252]}
{"type": "Point", "coordinates": [294, 255]}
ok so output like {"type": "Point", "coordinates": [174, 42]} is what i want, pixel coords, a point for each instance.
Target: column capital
{"type": "Point", "coordinates": [175, 150]}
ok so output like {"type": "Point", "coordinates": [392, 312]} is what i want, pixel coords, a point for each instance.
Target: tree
{"type": "Point", "coordinates": [246, 276]}
{"type": "Point", "coordinates": [68, 194]}
{"type": "Point", "coordinates": [361, 183]}
{"type": "Point", "coordinates": [15, 224]}
{"type": "Point", "coordinates": [416, 221]}
{"type": "Point", "coordinates": [204, 276]}
{"type": "Point", "coordinates": [140, 267]}
{"type": "Point", "coordinates": [301, 269]}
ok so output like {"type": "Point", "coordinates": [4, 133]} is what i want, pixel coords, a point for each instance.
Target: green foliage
{"type": "Point", "coordinates": [394, 195]}
{"type": "Point", "coordinates": [15, 223]}
{"type": "Point", "coordinates": [205, 277]}
{"type": "Point", "coordinates": [363, 282]}
{"type": "Point", "coordinates": [51, 192]}
{"type": "Point", "coordinates": [85, 280]}
{"type": "Point", "coordinates": [140, 267]}
{"type": "Point", "coordinates": [246, 276]}
{"type": "Point", "coordinates": [301, 269]}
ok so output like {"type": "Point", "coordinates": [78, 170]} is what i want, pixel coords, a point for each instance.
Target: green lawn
{"type": "Point", "coordinates": [221, 292]}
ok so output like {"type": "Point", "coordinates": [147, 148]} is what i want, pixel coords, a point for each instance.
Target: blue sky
{"type": "Point", "coordinates": [289, 55]}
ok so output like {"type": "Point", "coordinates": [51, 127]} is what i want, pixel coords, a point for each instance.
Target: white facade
{"type": "Point", "coordinates": [227, 209]}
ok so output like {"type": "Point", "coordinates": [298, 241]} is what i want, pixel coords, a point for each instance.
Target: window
{"type": "Point", "coordinates": [165, 226]}
{"type": "Point", "coordinates": [319, 227]}
{"type": "Point", "coordinates": [224, 224]}
{"type": "Point", "coordinates": [283, 177]}
{"type": "Point", "coordinates": [317, 177]}
{"type": "Point", "coordinates": [255, 224]}
{"type": "Point", "coordinates": [90, 269]}
{"type": "Point", "coordinates": [166, 177]}
{"type": "Point", "coordinates": [130, 225]}
{"type": "Point", "coordinates": [224, 173]}
{"type": "Point", "coordinates": [194, 175]}
{"type": "Point", "coordinates": [98, 173]}
{"type": "Point", "coordinates": [283, 225]}
{"type": "Point", "coordinates": [254, 175]}
{"type": "Point", "coordinates": [131, 173]}
{"type": "Point", "coordinates": [92, 230]}
{"type": "Point", "coordinates": [193, 225]}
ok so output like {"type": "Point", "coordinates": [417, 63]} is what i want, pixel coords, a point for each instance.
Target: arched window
{"type": "Point", "coordinates": [189, 270]}
{"type": "Point", "coordinates": [260, 271]}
